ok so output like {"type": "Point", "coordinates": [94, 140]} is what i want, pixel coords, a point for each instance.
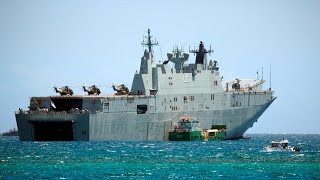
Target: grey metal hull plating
{"type": "Point", "coordinates": [142, 127]}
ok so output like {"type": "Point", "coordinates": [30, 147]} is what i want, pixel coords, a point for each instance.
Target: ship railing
{"type": "Point", "coordinates": [57, 112]}
{"type": "Point", "coordinates": [249, 92]}
{"type": "Point", "coordinates": [179, 130]}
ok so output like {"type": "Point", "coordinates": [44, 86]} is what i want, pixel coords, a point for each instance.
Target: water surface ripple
{"type": "Point", "coordinates": [240, 159]}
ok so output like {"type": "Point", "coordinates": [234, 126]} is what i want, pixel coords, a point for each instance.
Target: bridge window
{"type": "Point", "coordinates": [185, 99]}
{"type": "Point", "coordinates": [142, 109]}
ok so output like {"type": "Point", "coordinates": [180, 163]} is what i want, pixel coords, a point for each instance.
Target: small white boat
{"type": "Point", "coordinates": [281, 146]}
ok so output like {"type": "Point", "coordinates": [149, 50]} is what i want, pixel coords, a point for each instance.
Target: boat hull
{"type": "Point", "coordinates": [186, 136]}
{"type": "Point", "coordinates": [129, 126]}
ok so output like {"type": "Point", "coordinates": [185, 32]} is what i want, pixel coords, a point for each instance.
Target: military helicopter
{"type": "Point", "coordinates": [66, 90]}
{"type": "Point", "coordinates": [121, 89]}
{"type": "Point", "coordinates": [234, 85]}
{"type": "Point", "coordinates": [93, 90]}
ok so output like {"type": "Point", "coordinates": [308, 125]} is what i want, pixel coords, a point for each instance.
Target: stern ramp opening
{"type": "Point", "coordinates": [53, 130]}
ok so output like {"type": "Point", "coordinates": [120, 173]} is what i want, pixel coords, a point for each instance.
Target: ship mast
{"type": "Point", "coordinates": [149, 41]}
{"type": "Point", "coordinates": [201, 58]}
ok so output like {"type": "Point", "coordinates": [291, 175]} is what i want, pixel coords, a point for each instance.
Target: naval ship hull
{"type": "Point", "coordinates": [129, 126]}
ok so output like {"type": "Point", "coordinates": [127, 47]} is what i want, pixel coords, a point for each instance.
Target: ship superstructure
{"type": "Point", "coordinates": [160, 94]}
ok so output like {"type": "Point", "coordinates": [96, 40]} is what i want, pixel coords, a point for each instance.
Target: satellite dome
{"type": "Point", "coordinates": [186, 55]}
{"type": "Point", "coordinates": [169, 55]}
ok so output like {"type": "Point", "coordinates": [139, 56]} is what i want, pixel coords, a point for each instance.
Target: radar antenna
{"type": "Point", "coordinates": [270, 78]}
{"type": "Point", "coordinates": [147, 41]}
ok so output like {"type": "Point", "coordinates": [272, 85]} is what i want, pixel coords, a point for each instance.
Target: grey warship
{"type": "Point", "coordinates": [160, 94]}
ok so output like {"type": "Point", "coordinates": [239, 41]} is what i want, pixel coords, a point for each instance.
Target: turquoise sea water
{"type": "Point", "coordinates": [238, 159]}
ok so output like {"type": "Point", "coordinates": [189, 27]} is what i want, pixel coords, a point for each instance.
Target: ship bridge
{"type": "Point", "coordinates": [178, 78]}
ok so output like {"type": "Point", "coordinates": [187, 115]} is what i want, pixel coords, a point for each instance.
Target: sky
{"type": "Point", "coordinates": [80, 42]}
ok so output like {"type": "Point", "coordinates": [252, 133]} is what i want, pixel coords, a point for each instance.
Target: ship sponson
{"type": "Point", "coordinates": [159, 96]}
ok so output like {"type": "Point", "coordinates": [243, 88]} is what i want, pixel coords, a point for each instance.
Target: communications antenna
{"type": "Point", "coordinates": [147, 41]}
{"type": "Point", "coordinates": [270, 78]}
